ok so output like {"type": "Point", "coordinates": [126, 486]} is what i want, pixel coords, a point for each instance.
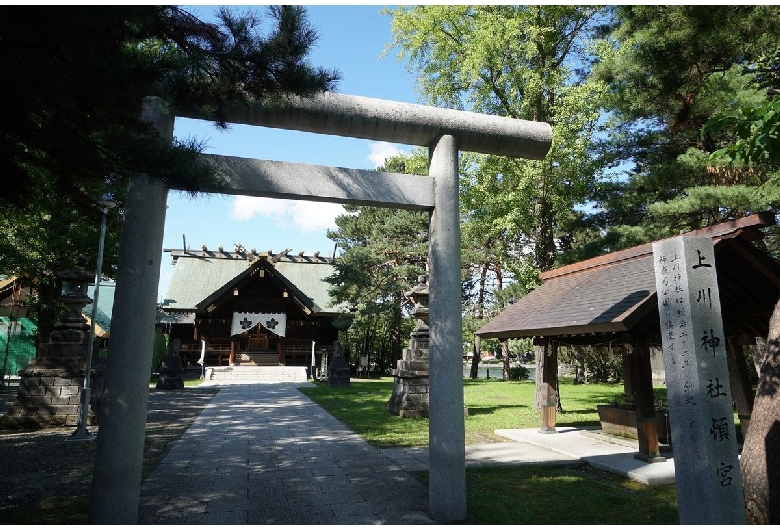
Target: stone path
{"type": "Point", "coordinates": [266, 454]}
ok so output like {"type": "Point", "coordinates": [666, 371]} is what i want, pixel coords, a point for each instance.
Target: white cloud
{"type": "Point", "coordinates": [314, 216]}
{"type": "Point", "coordinates": [245, 208]}
{"type": "Point", "coordinates": [304, 215]}
{"type": "Point", "coordinates": [381, 151]}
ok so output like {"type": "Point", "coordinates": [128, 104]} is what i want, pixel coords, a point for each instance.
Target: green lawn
{"type": "Point", "coordinates": [513, 495]}
{"type": "Point", "coordinates": [492, 404]}
{"type": "Point", "coordinates": [565, 496]}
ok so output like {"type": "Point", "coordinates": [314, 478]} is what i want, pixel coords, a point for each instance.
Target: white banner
{"type": "Point", "coordinates": [274, 322]}
{"type": "Point", "coordinates": [202, 352]}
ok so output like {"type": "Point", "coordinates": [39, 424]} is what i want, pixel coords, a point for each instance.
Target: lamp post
{"type": "Point", "coordinates": [81, 433]}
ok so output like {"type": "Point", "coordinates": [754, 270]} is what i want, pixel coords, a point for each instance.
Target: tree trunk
{"type": "Point", "coordinates": [395, 345]}
{"type": "Point", "coordinates": [579, 364]}
{"type": "Point", "coordinates": [480, 314]}
{"type": "Point", "coordinates": [505, 356]}
{"type": "Point", "coordinates": [481, 291]}
{"type": "Point", "coordinates": [475, 360]}
{"type": "Point", "coordinates": [544, 244]}
{"type": "Point", "coordinates": [760, 462]}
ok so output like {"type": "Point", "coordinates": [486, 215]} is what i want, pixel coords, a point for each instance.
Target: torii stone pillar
{"type": "Point", "coordinates": [447, 433]}
{"type": "Point", "coordinates": [118, 463]}
{"type": "Point", "coordinates": [116, 475]}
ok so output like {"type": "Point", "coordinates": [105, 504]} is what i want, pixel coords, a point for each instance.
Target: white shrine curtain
{"type": "Point", "coordinates": [274, 322]}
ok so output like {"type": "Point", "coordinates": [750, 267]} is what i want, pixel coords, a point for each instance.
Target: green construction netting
{"type": "Point", "coordinates": [17, 343]}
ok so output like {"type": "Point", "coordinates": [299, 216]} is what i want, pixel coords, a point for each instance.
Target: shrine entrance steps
{"type": "Point", "coordinates": [256, 374]}
{"type": "Point", "coordinates": [257, 358]}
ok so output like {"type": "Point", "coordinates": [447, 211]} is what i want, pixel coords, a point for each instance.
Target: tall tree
{"type": "Point", "coordinates": [383, 251]}
{"type": "Point", "coordinates": [670, 68]}
{"type": "Point", "coordinates": [77, 76]}
{"type": "Point", "coordinates": [521, 62]}
{"type": "Point", "coordinates": [497, 265]}
{"type": "Point", "coordinates": [759, 463]}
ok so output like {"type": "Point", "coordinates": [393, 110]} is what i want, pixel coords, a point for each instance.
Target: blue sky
{"type": "Point", "coordinates": [351, 40]}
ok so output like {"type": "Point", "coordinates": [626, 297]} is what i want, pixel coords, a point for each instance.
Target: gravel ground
{"type": "Point", "coordinates": [45, 477]}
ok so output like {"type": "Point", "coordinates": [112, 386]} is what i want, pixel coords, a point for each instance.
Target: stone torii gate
{"type": "Point", "coordinates": [119, 455]}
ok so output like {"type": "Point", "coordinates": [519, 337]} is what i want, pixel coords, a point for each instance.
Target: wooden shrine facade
{"type": "Point", "coordinates": [611, 301]}
{"type": "Point", "coordinates": [250, 308]}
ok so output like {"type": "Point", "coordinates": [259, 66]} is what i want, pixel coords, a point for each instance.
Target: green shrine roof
{"type": "Point", "coordinates": [198, 275]}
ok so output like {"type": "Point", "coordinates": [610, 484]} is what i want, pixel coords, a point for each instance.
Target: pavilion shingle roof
{"type": "Point", "coordinates": [602, 299]}
{"type": "Point", "coordinates": [610, 293]}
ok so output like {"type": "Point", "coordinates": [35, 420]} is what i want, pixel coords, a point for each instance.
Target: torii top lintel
{"type": "Point", "coordinates": [395, 122]}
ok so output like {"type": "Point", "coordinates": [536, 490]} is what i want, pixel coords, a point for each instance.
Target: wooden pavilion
{"type": "Point", "coordinates": [611, 300]}
{"type": "Point", "coordinates": [251, 308]}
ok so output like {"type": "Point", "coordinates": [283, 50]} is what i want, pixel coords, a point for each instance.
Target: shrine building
{"type": "Point", "coordinates": [251, 308]}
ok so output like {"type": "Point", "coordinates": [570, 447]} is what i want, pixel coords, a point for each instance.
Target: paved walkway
{"type": "Point", "coordinates": [266, 454]}
{"type": "Point", "coordinates": [263, 453]}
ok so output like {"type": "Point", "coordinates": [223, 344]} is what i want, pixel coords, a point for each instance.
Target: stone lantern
{"type": "Point", "coordinates": [419, 336]}
{"type": "Point", "coordinates": [418, 295]}
{"type": "Point", "coordinates": [72, 327]}
{"type": "Point", "coordinates": [410, 398]}
{"type": "Point", "coordinates": [50, 385]}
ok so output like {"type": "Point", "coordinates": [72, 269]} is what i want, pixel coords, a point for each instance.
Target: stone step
{"type": "Point", "coordinates": [234, 374]}
{"type": "Point", "coordinates": [258, 358]}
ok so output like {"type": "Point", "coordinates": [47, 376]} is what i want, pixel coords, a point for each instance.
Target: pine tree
{"type": "Point", "coordinates": [75, 78]}
{"type": "Point", "coordinates": [383, 252]}
{"type": "Point", "coordinates": [670, 69]}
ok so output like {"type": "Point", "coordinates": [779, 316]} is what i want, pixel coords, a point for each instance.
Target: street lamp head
{"type": "Point", "coordinates": [106, 201]}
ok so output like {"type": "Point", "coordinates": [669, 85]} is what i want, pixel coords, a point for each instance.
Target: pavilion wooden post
{"type": "Point", "coordinates": [549, 408]}
{"type": "Point", "coordinates": [551, 372]}
{"type": "Point", "coordinates": [628, 369]}
{"type": "Point", "coordinates": [646, 428]}
{"type": "Point", "coordinates": [741, 389]}
{"type": "Point", "coordinates": [232, 358]}
{"type": "Point", "coordinates": [546, 354]}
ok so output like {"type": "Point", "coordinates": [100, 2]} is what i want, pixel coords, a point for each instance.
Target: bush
{"type": "Point", "coordinates": [519, 373]}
